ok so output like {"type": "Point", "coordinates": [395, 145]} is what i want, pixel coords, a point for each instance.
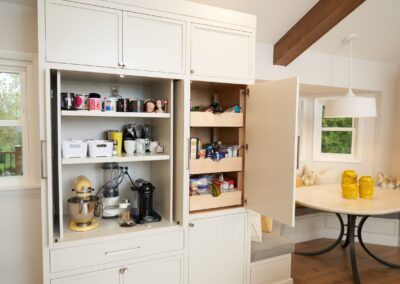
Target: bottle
{"type": "Point", "coordinates": [115, 148]}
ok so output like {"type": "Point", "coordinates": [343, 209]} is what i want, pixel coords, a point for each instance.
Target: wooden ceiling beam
{"type": "Point", "coordinates": [311, 27]}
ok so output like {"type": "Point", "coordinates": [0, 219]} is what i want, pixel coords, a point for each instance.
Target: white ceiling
{"type": "Point", "coordinates": [377, 23]}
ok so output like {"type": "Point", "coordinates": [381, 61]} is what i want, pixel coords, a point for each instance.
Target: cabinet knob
{"type": "Point", "coordinates": [191, 225]}
{"type": "Point", "coordinates": [121, 64]}
{"type": "Point", "coordinates": [124, 64]}
{"type": "Point", "coordinates": [123, 270]}
{"type": "Point", "coordinates": [192, 71]}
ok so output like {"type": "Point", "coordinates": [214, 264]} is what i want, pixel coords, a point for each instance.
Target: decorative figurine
{"type": "Point", "coordinates": [149, 106]}
{"type": "Point", "coordinates": [159, 106]}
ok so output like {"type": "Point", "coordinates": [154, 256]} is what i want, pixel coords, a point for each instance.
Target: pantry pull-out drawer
{"type": "Point", "coordinates": [100, 253]}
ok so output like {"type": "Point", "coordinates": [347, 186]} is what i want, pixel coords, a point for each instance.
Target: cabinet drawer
{"type": "Point", "coordinates": [204, 166]}
{"type": "Point", "coordinates": [100, 253]}
{"type": "Point", "coordinates": [207, 201]}
{"type": "Point", "coordinates": [209, 119]}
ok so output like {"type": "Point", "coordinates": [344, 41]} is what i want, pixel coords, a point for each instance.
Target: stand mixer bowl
{"type": "Point", "coordinates": [83, 210]}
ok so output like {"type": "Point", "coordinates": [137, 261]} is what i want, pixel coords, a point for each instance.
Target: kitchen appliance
{"type": "Point", "coordinates": [84, 207]}
{"type": "Point", "coordinates": [100, 148]}
{"type": "Point", "coordinates": [142, 202]}
{"type": "Point", "coordinates": [74, 149]}
{"type": "Point", "coordinates": [112, 177]}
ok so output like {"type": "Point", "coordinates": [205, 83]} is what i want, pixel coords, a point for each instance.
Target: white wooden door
{"type": "Point", "coordinates": [271, 125]}
{"type": "Point", "coordinates": [111, 276]}
{"type": "Point", "coordinates": [153, 43]}
{"type": "Point", "coordinates": [222, 53]}
{"type": "Point", "coordinates": [83, 34]}
{"type": "Point", "coordinates": [168, 270]}
{"type": "Point", "coordinates": [217, 250]}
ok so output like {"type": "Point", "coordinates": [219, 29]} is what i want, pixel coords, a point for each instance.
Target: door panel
{"type": "Point", "coordinates": [83, 34]}
{"type": "Point", "coordinates": [111, 276]}
{"type": "Point", "coordinates": [153, 43]}
{"type": "Point", "coordinates": [219, 52]}
{"type": "Point", "coordinates": [217, 250]}
{"type": "Point", "coordinates": [271, 125]}
{"type": "Point", "coordinates": [166, 270]}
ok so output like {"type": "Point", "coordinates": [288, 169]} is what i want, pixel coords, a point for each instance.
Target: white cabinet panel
{"type": "Point", "coordinates": [153, 43]}
{"type": "Point", "coordinates": [220, 52]}
{"type": "Point", "coordinates": [166, 270]}
{"type": "Point", "coordinates": [83, 34]}
{"type": "Point", "coordinates": [217, 250]}
{"type": "Point", "coordinates": [111, 276]}
{"type": "Point", "coordinates": [271, 125]}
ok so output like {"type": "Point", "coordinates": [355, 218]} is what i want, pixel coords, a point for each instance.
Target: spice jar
{"type": "Point", "coordinates": [366, 187]}
{"type": "Point", "coordinates": [349, 184]}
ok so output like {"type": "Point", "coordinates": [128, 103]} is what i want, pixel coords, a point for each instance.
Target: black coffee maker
{"type": "Point", "coordinates": [142, 202]}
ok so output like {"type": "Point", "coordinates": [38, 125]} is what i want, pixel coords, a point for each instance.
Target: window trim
{"type": "Point", "coordinates": [318, 156]}
{"type": "Point", "coordinates": [25, 63]}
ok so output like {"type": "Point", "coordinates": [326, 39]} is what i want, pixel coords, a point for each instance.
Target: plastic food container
{"type": "Point", "coordinates": [100, 148]}
{"type": "Point", "coordinates": [74, 149]}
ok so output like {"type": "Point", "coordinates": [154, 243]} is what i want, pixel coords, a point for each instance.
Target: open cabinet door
{"type": "Point", "coordinates": [271, 126]}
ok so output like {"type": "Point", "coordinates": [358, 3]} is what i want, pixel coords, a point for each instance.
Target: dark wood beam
{"type": "Point", "coordinates": [312, 26]}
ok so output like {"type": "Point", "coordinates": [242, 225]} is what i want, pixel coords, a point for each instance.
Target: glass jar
{"type": "Point", "coordinates": [366, 187]}
{"type": "Point", "coordinates": [124, 214]}
{"type": "Point", "coordinates": [349, 184]}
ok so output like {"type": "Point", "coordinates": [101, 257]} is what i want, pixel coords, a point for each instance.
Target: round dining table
{"type": "Point", "coordinates": [328, 198]}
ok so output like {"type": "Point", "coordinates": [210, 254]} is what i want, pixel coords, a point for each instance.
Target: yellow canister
{"type": "Point", "coordinates": [366, 187]}
{"type": "Point", "coordinates": [349, 184]}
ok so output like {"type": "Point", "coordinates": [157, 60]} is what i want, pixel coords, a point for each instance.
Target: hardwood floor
{"type": "Point", "coordinates": [334, 267]}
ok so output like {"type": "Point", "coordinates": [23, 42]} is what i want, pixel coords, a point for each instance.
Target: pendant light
{"type": "Point", "coordinates": [350, 105]}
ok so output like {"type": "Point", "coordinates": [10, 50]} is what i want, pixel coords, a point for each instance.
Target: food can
{"type": "Point", "coordinates": [136, 105]}
{"type": "Point", "coordinates": [79, 102]}
{"type": "Point", "coordinates": [122, 105]}
{"type": "Point", "coordinates": [366, 187]}
{"type": "Point", "coordinates": [349, 184]}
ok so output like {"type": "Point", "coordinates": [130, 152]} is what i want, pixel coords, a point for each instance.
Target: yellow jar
{"type": "Point", "coordinates": [366, 187]}
{"type": "Point", "coordinates": [349, 184]}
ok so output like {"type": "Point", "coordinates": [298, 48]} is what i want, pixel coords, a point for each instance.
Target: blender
{"type": "Point", "coordinates": [110, 194]}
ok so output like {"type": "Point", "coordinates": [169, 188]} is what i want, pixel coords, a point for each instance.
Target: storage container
{"type": "Point", "coordinates": [74, 149]}
{"type": "Point", "coordinates": [100, 148]}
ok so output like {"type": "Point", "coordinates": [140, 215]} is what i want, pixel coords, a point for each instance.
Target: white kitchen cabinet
{"type": "Point", "coordinates": [164, 270]}
{"type": "Point", "coordinates": [83, 34]}
{"type": "Point", "coordinates": [221, 53]}
{"type": "Point", "coordinates": [217, 249]}
{"type": "Point", "coordinates": [108, 276]}
{"type": "Point", "coordinates": [153, 43]}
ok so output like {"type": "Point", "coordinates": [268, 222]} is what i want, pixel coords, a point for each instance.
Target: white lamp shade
{"type": "Point", "coordinates": [351, 106]}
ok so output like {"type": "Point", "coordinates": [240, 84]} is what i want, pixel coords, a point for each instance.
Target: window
{"type": "Point", "coordinates": [335, 139]}
{"type": "Point", "coordinates": [18, 125]}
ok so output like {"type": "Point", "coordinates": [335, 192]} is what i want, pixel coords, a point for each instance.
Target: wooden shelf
{"type": "Point", "coordinates": [207, 201]}
{"type": "Point", "coordinates": [204, 166]}
{"type": "Point", "coordinates": [84, 113]}
{"type": "Point", "coordinates": [209, 119]}
{"type": "Point", "coordinates": [119, 159]}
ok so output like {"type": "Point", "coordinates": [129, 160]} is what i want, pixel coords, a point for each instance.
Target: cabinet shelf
{"type": "Point", "coordinates": [83, 113]}
{"type": "Point", "coordinates": [119, 159]}
{"type": "Point", "coordinates": [204, 166]}
{"type": "Point", "coordinates": [209, 119]}
{"type": "Point", "coordinates": [207, 201]}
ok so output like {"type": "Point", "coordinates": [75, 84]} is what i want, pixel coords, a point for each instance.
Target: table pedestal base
{"type": "Point", "coordinates": [350, 241]}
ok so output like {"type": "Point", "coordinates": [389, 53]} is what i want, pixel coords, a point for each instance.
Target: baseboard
{"type": "Point", "coordinates": [326, 225]}
{"type": "Point", "coordinates": [275, 270]}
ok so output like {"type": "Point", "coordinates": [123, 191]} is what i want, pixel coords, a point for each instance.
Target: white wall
{"type": "Point", "coordinates": [322, 69]}
{"type": "Point", "coordinates": [396, 130]}
{"type": "Point", "coordinates": [20, 225]}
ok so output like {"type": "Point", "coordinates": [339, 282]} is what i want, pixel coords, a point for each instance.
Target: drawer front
{"type": "Point", "coordinates": [101, 253]}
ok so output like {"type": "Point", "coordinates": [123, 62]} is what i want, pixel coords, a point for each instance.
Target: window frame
{"type": "Point", "coordinates": [24, 64]}
{"type": "Point", "coordinates": [356, 129]}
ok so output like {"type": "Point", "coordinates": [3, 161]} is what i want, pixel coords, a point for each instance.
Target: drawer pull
{"type": "Point", "coordinates": [109, 253]}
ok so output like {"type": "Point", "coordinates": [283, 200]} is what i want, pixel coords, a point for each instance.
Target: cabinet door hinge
{"type": "Point", "coordinates": [246, 147]}
{"type": "Point", "coordinates": [247, 91]}
{"type": "Point", "coordinates": [244, 201]}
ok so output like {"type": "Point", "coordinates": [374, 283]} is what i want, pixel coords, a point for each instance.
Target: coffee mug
{"type": "Point", "coordinates": [130, 146]}
{"type": "Point", "coordinates": [153, 147]}
{"type": "Point", "coordinates": [140, 146]}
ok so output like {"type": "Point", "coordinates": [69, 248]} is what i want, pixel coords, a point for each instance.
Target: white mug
{"type": "Point", "coordinates": [140, 146]}
{"type": "Point", "coordinates": [153, 147]}
{"type": "Point", "coordinates": [130, 146]}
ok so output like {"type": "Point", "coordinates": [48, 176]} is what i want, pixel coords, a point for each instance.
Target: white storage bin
{"type": "Point", "coordinates": [74, 149]}
{"type": "Point", "coordinates": [100, 148]}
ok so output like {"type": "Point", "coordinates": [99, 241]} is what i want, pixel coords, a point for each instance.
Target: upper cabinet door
{"type": "Point", "coordinates": [271, 125]}
{"type": "Point", "coordinates": [221, 53]}
{"type": "Point", "coordinates": [83, 34]}
{"type": "Point", "coordinates": [153, 43]}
